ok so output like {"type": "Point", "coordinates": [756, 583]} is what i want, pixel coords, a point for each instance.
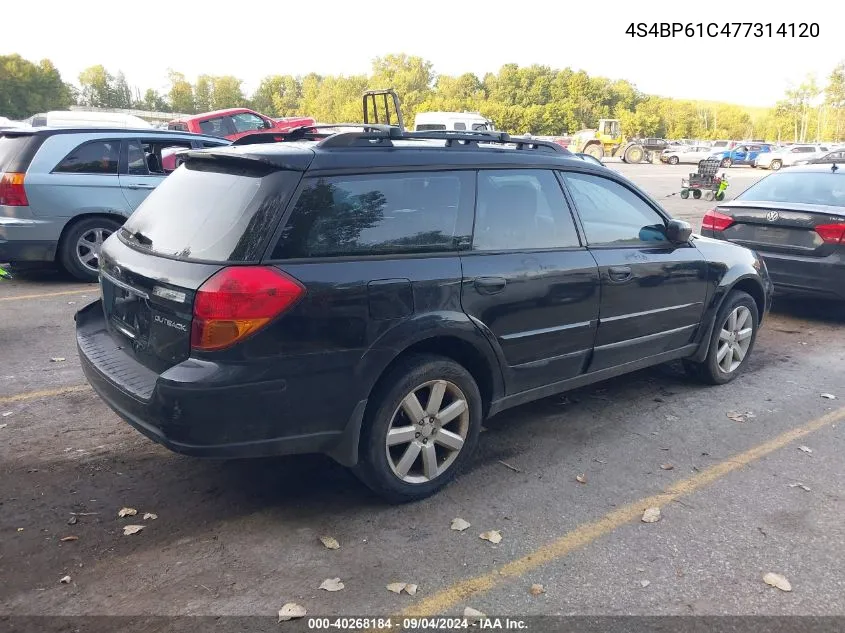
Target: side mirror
{"type": "Point", "coordinates": [678, 231]}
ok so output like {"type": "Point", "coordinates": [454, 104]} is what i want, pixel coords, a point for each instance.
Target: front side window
{"type": "Point", "coordinates": [417, 212]}
{"type": "Point", "coordinates": [96, 157]}
{"type": "Point", "coordinates": [612, 214]}
{"type": "Point", "coordinates": [522, 209]}
{"type": "Point", "coordinates": [247, 122]}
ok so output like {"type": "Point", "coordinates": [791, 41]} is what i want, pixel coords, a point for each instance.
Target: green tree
{"type": "Point", "coordinates": [202, 93]}
{"type": "Point", "coordinates": [181, 93]}
{"type": "Point", "coordinates": [121, 93]}
{"type": "Point", "coordinates": [27, 88]}
{"type": "Point", "coordinates": [226, 93]}
{"type": "Point", "coordinates": [97, 87]}
{"type": "Point", "coordinates": [412, 77]}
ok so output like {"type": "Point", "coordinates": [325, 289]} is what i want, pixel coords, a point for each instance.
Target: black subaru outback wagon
{"type": "Point", "coordinates": [375, 294]}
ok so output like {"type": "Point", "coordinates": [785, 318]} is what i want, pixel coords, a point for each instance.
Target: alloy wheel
{"type": "Point", "coordinates": [88, 247]}
{"type": "Point", "coordinates": [735, 339]}
{"type": "Point", "coordinates": [427, 432]}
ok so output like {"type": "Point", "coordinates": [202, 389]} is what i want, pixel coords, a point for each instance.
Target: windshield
{"type": "Point", "coordinates": [211, 212]}
{"type": "Point", "coordinates": [826, 188]}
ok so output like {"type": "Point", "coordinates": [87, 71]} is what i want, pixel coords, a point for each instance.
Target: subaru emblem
{"type": "Point", "coordinates": [772, 216]}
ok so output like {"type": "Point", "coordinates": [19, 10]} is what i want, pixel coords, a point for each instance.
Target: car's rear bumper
{"type": "Point", "coordinates": [26, 239]}
{"type": "Point", "coordinates": [822, 277]}
{"type": "Point", "coordinates": [207, 409]}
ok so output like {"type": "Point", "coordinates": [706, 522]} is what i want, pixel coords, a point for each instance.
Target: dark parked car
{"type": "Point", "coordinates": [796, 220]}
{"type": "Point", "coordinates": [374, 296]}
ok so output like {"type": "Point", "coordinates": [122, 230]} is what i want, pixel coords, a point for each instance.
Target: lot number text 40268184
{"type": "Point", "coordinates": [726, 29]}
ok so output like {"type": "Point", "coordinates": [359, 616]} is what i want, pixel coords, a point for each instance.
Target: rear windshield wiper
{"type": "Point", "coordinates": [139, 237]}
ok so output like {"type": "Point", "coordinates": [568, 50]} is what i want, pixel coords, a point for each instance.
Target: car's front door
{"type": "Point", "coordinates": [739, 155]}
{"type": "Point", "coordinates": [652, 291]}
{"type": "Point", "coordinates": [528, 282]}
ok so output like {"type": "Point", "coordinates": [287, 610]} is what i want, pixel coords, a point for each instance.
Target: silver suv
{"type": "Point", "coordinates": [64, 191]}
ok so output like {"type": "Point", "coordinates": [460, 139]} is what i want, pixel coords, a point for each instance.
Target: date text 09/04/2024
{"type": "Point", "coordinates": [726, 29]}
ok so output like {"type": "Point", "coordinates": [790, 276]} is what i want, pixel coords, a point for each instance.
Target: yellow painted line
{"type": "Point", "coordinates": [46, 393]}
{"type": "Point", "coordinates": [63, 293]}
{"type": "Point", "coordinates": [585, 534]}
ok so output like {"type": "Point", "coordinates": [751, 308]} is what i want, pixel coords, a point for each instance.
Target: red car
{"type": "Point", "coordinates": [235, 123]}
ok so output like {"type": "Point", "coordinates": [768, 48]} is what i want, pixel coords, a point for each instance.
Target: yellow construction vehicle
{"type": "Point", "coordinates": [607, 140]}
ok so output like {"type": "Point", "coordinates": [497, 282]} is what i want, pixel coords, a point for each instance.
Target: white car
{"type": "Point", "coordinates": [693, 154]}
{"type": "Point", "coordinates": [788, 156]}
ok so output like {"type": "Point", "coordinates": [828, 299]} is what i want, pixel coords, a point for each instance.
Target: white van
{"type": "Point", "coordinates": [81, 118]}
{"type": "Point", "coordinates": [457, 121]}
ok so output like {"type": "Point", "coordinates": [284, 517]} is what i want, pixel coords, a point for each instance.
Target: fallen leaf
{"type": "Point", "coordinates": [71, 303]}
{"type": "Point", "coordinates": [651, 515]}
{"type": "Point", "coordinates": [329, 542]}
{"type": "Point", "coordinates": [641, 569]}
{"type": "Point", "coordinates": [537, 589]}
{"type": "Point", "coordinates": [582, 478]}
{"type": "Point", "coordinates": [777, 580]}
{"type": "Point", "coordinates": [473, 615]}
{"type": "Point", "coordinates": [672, 418]}
{"type": "Point", "coordinates": [459, 525]}
{"type": "Point", "coordinates": [599, 461]}
{"type": "Point", "coordinates": [20, 529]}
{"type": "Point", "coordinates": [72, 521]}
{"type": "Point", "coordinates": [740, 417]}
{"type": "Point", "coordinates": [644, 583]}
{"type": "Point", "coordinates": [67, 539]}
{"type": "Point", "coordinates": [149, 516]}
{"type": "Point", "coordinates": [57, 359]}
{"type": "Point", "coordinates": [291, 611]}
{"type": "Point", "coordinates": [65, 580]}
{"type": "Point", "coordinates": [332, 584]}
{"type": "Point", "coordinates": [802, 486]}
{"type": "Point", "coordinates": [411, 589]}
{"type": "Point", "coordinates": [494, 536]}
{"type": "Point", "coordinates": [828, 396]}
{"type": "Point", "coordinates": [666, 466]}
{"type": "Point", "coordinates": [129, 530]}
{"type": "Point", "coordinates": [806, 449]}
{"type": "Point", "coordinates": [3, 426]}
{"type": "Point", "coordinates": [6, 414]}
{"type": "Point", "coordinates": [396, 587]}
{"type": "Point", "coordinates": [127, 512]}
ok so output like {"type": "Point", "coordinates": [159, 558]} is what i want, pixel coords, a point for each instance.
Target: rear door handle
{"type": "Point", "coordinates": [141, 186]}
{"type": "Point", "coordinates": [490, 285]}
{"type": "Point", "coordinates": [619, 273]}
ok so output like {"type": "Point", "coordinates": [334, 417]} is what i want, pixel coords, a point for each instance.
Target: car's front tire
{"type": "Point", "coordinates": [731, 342]}
{"type": "Point", "coordinates": [674, 160]}
{"type": "Point", "coordinates": [421, 427]}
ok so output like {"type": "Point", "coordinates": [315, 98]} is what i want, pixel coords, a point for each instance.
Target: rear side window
{"type": "Point", "coordinates": [182, 127]}
{"type": "Point", "coordinates": [522, 209]}
{"type": "Point", "coordinates": [419, 212]}
{"type": "Point", "coordinates": [95, 157]}
{"type": "Point", "coordinates": [823, 187]}
{"type": "Point", "coordinates": [460, 126]}
{"type": "Point", "coordinates": [212, 211]}
{"type": "Point", "coordinates": [428, 127]}
{"type": "Point", "coordinates": [215, 127]}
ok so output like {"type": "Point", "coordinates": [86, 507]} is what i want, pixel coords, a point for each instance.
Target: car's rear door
{"type": "Point", "coordinates": [652, 291]}
{"type": "Point", "coordinates": [528, 281]}
{"type": "Point", "coordinates": [142, 166]}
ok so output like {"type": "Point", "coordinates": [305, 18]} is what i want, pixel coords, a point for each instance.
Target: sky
{"type": "Point", "coordinates": [257, 38]}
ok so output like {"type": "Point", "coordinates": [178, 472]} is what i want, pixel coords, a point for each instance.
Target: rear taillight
{"type": "Point", "coordinates": [832, 233]}
{"type": "Point", "coordinates": [12, 193]}
{"type": "Point", "coordinates": [715, 221]}
{"type": "Point", "coordinates": [237, 301]}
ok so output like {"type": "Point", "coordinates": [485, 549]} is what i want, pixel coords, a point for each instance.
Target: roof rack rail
{"type": "Point", "coordinates": [383, 135]}
{"type": "Point", "coordinates": [302, 133]}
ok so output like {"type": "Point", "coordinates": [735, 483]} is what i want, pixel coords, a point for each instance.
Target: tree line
{"type": "Point", "coordinates": [531, 99]}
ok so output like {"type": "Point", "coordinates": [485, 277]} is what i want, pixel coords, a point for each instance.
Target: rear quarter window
{"type": "Point", "coordinates": [10, 147]}
{"type": "Point", "coordinates": [824, 187]}
{"type": "Point", "coordinates": [385, 214]}
{"type": "Point", "coordinates": [209, 210]}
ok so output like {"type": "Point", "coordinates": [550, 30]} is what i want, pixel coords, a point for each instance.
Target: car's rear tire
{"type": "Point", "coordinates": [407, 451]}
{"type": "Point", "coordinates": [79, 249]}
{"type": "Point", "coordinates": [731, 342]}
{"type": "Point", "coordinates": [674, 160]}
{"type": "Point", "coordinates": [775, 165]}
{"type": "Point", "coordinates": [726, 162]}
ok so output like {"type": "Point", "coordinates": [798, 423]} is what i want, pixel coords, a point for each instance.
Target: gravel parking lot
{"type": "Point", "coordinates": [738, 498]}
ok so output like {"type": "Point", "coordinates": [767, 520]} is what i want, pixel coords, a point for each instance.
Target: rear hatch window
{"type": "Point", "coordinates": [212, 210]}
{"type": "Point", "coordinates": [10, 147]}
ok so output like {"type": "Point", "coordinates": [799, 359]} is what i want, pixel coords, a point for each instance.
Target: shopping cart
{"type": "Point", "coordinates": [706, 181]}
